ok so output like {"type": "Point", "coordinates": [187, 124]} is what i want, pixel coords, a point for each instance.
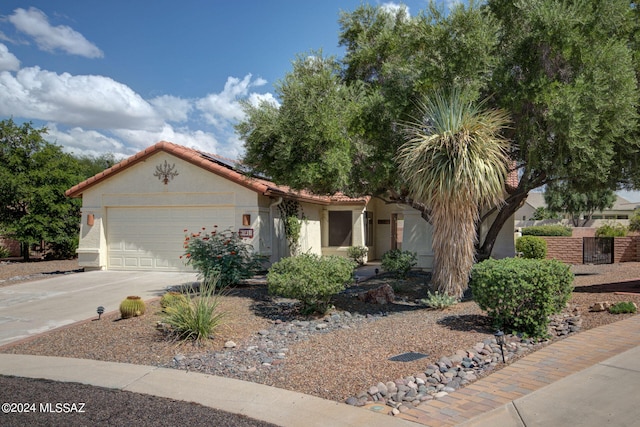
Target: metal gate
{"type": "Point", "coordinates": [597, 250]}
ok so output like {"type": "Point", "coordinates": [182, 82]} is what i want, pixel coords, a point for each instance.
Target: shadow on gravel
{"type": "Point", "coordinates": [468, 322]}
{"type": "Point", "coordinates": [632, 286]}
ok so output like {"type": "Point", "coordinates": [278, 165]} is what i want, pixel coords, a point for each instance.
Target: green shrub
{"type": "Point", "coordinates": [4, 252]}
{"type": "Point", "coordinates": [547, 230]}
{"type": "Point", "coordinates": [132, 306]}
{"type": "Point", "coordinates": [195, 317]}
{"type": "Point", "coordinates": [439, 301]}
{"type": "Point", "coordinates": [520, 294]}
{"type": "Point", "coordinates": [623, 307]}
{"type": "Point", "coordinates": [221, 254]}
{"type": "Point", "coordinates": [532, 247]}
{"type": "Point", "coordinates": [310, 278]}
{"type": "Point", "coordinates": [398, 262]}
{"type": "Point", "coordinates": [358, 253]}
{"type": "Point", "coordinates": [634, 221]}
{"type": "Point", "coordinates": [611, 230]}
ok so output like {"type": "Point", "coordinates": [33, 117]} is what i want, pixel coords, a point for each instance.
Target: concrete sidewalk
{"type": "Point", "coordinates": [27, 309]}
{"type": "Point", "coordinates": [274, 405]}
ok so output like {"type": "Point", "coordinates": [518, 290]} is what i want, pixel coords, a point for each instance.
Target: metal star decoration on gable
{"type": "Point", "coordinates": [166, 172]}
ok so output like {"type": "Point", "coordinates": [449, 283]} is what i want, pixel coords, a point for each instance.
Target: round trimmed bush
{"type": "Point", "coordinates": [520, 294]}
{"type": "Point", "coordinates": [310, 278]}
{"type": "Point", "coordinates": [532, 247]}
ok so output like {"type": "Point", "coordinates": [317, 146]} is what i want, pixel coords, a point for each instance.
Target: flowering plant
{"type": "Point", "coordinates": [221, 254]}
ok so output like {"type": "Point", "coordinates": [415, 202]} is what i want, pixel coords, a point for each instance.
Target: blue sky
{"type": "Point", "coordinates": [117, 76]}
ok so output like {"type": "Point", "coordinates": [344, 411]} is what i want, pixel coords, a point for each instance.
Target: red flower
{"type": "Point", "coordinates": [204, 228]}
{"type": "Point", "coordinates": [185, 230]}
{"type": "Point", "coordinates": [188, 255]}
{"type": "Point", "coordinates": [180, 256]}
{"type": "Point", "coordinates": [233, 252]}
{"type": "Point", "coordinates": [219, 256]}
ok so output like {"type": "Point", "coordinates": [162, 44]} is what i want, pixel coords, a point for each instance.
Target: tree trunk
{"type": "Point", "coordinates": [513, 203]}
{"type": "Point", "coordinates": [25, 251]}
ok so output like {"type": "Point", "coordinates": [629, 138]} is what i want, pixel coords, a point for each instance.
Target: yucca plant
{"type": "Point", "coordinates": [455, 162]}
{"type": "Point", "coordinates": [196, 316]}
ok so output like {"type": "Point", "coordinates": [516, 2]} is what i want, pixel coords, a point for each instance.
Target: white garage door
{"type": "Point", "coordinates": [152, 238]}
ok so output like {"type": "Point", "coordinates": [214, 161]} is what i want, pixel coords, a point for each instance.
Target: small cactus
{"type": "Point", "coordinates": [131, 307]}
{"type": "Point", "coordinates": [171, 298]}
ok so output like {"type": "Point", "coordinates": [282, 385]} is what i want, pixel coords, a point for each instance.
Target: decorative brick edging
{"type": "Point", "coordinates": [538, 369]}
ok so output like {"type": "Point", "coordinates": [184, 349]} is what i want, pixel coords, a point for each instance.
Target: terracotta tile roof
{"type": "Point", "coordinates": [221, 166]}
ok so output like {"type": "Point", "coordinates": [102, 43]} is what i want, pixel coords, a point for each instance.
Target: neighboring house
{"type": "Point", "coordinates": [134, 214]}
{"type": "Point", "coordinates": [620, 211]}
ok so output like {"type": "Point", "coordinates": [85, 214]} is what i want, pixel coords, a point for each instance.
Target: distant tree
{"type": "Point", "coordinates": [456, 162]}
{"type": "Point", "coordinates": [561, 197]}
{"type": "Point", "coordinates": [634, 221]}
{"type": "Point", "coordinates": [92, 165]}
{"type": "Point", "coordinates": [543, 213]}
{"type": "Point", "coordinates": [34, 175]}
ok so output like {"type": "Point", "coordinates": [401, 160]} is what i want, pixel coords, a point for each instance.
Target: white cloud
{"type": "Point", "coordinates": [221, 109]}
{"type": "Point", "coordinates": [84, 100]}
{"type": "Point", "coordinates": [256, 99]}
{"type": "Point", "coordinates": [86, 142]}
{"type": "Point", "coordinates": [8, 61]}
{"type": "Point", "coordinates": [35, 23]}
{"type": "Point", "coordinates": [92, 115]}
{"type": "Point", "coordinates": [141, 139]}
{"type": "Point", "coordinates": [172, 108]}
{"type": "Point", "coordinates": [394, 8]}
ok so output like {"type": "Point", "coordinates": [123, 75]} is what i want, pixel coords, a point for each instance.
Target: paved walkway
{"type": "Point", "coordinates": [589, 379]}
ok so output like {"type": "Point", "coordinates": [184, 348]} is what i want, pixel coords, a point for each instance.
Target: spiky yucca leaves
{"type": "Point", "coordinates": [455, 162]}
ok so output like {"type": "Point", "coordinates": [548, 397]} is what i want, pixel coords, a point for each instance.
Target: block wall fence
{"type": "Point", "coordinates": [569, 249]}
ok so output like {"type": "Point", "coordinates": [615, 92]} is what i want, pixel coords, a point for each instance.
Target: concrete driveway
{"type": "Point", "coordinates": [31, 308]}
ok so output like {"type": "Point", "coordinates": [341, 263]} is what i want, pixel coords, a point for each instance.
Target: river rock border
{"type": "Point", "coordinates": [450, 373]}
{"type": "Point", "coordinates": [268, 348]}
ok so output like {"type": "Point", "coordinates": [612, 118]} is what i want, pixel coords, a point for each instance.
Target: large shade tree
{"type": "Point", "coordinates": [34, 175]}
{"type": "Point", "coordinates": [455, 161]}
{"type": "Point", "coordinates": [564, 71]}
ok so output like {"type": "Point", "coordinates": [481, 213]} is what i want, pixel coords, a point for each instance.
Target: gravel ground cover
{"type": "Point", "coordinates": [333, 357]}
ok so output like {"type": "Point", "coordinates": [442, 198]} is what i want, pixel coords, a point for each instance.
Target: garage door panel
{"type": "Point", "coordinates": [153, 238]}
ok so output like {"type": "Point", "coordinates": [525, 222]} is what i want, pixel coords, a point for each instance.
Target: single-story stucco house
{"type": "Point", "coordinates": [134, 214]}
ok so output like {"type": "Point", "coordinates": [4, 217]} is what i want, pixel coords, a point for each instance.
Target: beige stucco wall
{"type": "Point", "coordinates": [137, 186]}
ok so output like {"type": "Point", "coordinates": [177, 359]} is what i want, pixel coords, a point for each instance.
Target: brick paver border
{"type": "Point", "coordinates": [528, 374]}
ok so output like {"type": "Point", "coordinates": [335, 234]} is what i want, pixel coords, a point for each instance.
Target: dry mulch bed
{"type": "Point", "coordinates": [332, 365]}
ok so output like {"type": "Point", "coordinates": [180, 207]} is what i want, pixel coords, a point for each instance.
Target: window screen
{"type": "Point", "coordinates": [340, 224]}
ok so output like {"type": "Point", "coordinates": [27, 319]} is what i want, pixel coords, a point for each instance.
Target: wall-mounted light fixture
{"type": "Point", "coordinates": [90, 220]}
{"type": "Point", "coordinates": [246, 220]}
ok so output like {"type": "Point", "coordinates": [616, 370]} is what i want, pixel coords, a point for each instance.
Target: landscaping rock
{"type": "Point", "coordinates": [381, 295]}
